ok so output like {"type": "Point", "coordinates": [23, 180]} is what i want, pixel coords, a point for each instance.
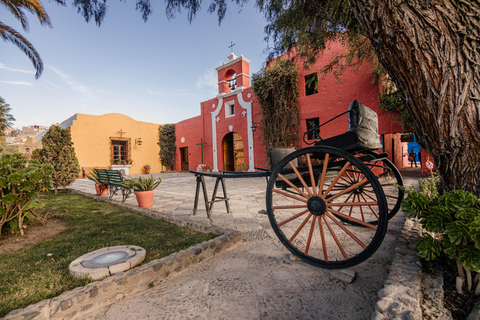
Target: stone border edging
{"type": "Point", "coordinates": [96, 295]}
{"type": "Point", "coordinates": [401, 294]}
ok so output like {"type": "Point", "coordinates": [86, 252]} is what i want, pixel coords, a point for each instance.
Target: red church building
{"type": "Point", "coordinates": [227, 132]}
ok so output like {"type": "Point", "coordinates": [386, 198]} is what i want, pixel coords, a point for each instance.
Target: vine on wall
{"type": "Point", "coordinates": [166, 141]}
{"type": "Point", "coordinates": [391, 100]}
{"type": "Point", "coordinates": [277, 92]}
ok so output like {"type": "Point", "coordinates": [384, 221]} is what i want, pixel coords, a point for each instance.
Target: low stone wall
{"type": "Point", "coordinates": [401, 296]}
{"type": "Point", "coordinates": [96, 295]}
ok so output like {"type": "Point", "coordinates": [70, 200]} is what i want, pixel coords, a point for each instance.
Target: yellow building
{"type": "Point", "coordinates": [114, 140]}
{"type": "Point", "coordinates": [30, 144]}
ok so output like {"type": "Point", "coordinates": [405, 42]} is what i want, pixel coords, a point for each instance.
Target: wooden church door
{"type": "Point", "coordinates": [233, 154]}
{"type": "Point", "coordinates": [238, 153]}
{"type": "Point", "coordinates": [184, 159]}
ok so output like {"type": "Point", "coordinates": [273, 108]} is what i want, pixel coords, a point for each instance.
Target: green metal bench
{"type": "Point", "coordinates": [113, 179]}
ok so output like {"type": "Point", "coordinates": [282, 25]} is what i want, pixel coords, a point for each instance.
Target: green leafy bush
{"type": "Point", "coordinates": [452, 225]}
{"type": "Point", "coordinates": [20, 182]}
{"type": "Point", "coordinates": [58, 150]}
{"type": "Point", "coordinates": [142, 184]}
{"type": "Point", "coordinates": [167, 145]}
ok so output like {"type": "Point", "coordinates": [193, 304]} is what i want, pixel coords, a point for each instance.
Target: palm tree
{"type": "Point", "coordinates": [18, 8]}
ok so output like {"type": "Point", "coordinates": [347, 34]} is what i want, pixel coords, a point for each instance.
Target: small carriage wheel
{"type": "Point", "coordinates": [303, 195]}
{"type": "Point", "coordinates": [390, 179]}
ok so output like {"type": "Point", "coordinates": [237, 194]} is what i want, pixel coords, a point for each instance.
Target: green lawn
{"type": "Point", "coordinates": [28, 276]}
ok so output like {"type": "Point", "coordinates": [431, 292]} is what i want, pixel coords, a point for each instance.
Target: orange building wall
{"type": "Point", "coordinates": [91, 140]}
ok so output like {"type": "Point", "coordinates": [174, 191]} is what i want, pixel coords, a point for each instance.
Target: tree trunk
{"type": "Point", "coordinates": [431, 50]}
{"type": "Point", "coordinates": [20, 218]}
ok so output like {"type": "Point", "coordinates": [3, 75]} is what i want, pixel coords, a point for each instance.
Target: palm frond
{"type": "Point", "coordinates": [35, 7]}
{"type": "Point", "coordinates": [11, 35]}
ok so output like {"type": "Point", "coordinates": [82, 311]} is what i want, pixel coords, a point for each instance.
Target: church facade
{"type": "Point", "coordinates": [227, 134]}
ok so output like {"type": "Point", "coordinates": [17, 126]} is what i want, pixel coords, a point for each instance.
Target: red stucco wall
{"type": "Point", "coordinates": [333, 98]}
{"type": "Point", "coordinates": [190, 130]}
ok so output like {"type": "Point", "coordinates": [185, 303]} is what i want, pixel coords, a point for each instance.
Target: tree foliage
{"type": "Point", "coordinates": [391, 100]}
{"type": "Point", "coordinates": [277, 92]}
{"type": "Point", "coordinates": [167, 144]}
{"type": "Point", "coordinates": [57, 149]}
{"type": "Point", "coordinates": [6, 119]}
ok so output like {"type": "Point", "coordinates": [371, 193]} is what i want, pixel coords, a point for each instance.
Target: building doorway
{"type": "Point", "coordinates": [233, 152]}
{"type": "Point", "coordinates": [184, 159]}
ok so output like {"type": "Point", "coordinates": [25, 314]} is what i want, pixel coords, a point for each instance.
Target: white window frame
{"type": "Point", "coordinates": [229, 107]}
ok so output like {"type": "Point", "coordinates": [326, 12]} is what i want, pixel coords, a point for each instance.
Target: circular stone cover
{"type": "Point", "coordinates": [107, 261]}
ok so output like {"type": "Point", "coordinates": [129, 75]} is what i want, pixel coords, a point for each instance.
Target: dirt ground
{"type": "Point", "coordinates": [34, 233]}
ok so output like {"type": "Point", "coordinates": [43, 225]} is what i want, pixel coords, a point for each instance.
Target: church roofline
{"type": "Point", "coordinates": [232, 61]}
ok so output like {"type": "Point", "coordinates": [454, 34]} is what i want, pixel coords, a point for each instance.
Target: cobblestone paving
{"type": "Point", "coordinates": [257, 280]}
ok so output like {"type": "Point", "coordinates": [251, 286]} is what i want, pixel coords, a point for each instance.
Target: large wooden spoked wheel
{"type": "Point", "coordinates": [304, 193]}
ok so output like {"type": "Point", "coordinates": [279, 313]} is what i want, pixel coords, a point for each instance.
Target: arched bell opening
{"type": "Point", "coordinates": [231, 80]}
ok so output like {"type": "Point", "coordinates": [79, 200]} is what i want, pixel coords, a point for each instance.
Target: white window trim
{"type": "Point", "coordinates": [228, 108]}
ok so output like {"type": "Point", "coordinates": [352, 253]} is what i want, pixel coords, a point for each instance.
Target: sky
{"type": "Point", "coordinates": [157, 72]}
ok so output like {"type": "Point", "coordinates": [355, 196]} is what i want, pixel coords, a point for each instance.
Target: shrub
{"type": "Point", "coordinates": [167, 145]}
{"type": "Point", "coordinates": [452, 225]}
{"type": "Point", "coordinates": [57, 149]}
{"type": "Point", "coordinates": [19, 187]}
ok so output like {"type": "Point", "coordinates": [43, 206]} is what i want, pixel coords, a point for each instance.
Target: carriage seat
{"type": "Point", "coordinates": [362, 134]}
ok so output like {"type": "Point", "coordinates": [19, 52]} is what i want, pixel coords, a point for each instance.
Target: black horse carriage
{"type": "Point", "coordinates": [329, 204]}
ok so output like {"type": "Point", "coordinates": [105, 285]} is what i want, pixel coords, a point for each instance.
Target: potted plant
{"type": "Point", "coordinates": [101, 189]}
{"type": "Point", "coordinates": [144, 189]}
{"type": "Point", "coordinates": [147, 168]}
{"type": "Point", "coordinates": [205, 167]}
{"type": "Point", "coordinates": [243, 167]}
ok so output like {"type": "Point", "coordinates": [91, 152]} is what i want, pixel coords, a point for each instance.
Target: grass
{"type": "Point", "coordinates": [29, 275]}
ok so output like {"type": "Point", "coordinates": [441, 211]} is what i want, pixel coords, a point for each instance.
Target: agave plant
{"type": "Point", "coordinates": [93, 175]}
{"type": "Point", "coordinates": [142, 184]}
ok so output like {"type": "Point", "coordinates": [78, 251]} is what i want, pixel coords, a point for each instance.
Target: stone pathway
{"type": "Point", "coordinates": [257, 280]}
